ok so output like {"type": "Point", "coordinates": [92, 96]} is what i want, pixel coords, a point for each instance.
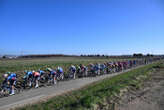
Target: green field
{"type": "Point", "coordinates": [19, 65]}
{"type": "Point", "coordinates": [96, 94]}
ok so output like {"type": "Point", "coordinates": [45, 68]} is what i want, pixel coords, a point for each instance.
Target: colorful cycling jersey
{"type": "Point", "coordinates": [102, 66]}
{"type": "Point", "coordinates": [85, 68]}
{"type": "Point", "coordinates": [25, 76]}
{"type": "Point", "coordinates": [73, 68]}
{"type": "Point", "coordinates": [53, 72]}
{"type": "Point", "coordinates": [134, 62]}
{"type": "Point", "coordinates": [36, 74]}
{"type": "Point", "coordinates": [91, 67]}
{"type": "Point", "coordinates": [97, 67]}
{"type": "Point", "coordinates": [29, 73]}
{"type": "Point", "coordinates": [41, 72]}
{"type": "Point", "coordinates": [12, 76]}
{"type": "Point", "coordinates": [60, 70]}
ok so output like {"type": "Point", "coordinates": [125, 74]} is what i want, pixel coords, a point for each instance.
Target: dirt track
{"type": "Point", "coordinates": [35, 95]}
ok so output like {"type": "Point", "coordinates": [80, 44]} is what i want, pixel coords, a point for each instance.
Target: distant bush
{"type": "Point", "coordinates": [4, 57]}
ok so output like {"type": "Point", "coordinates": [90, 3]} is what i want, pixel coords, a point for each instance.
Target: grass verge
{"type": "Point", "coordinates": [91, 96]}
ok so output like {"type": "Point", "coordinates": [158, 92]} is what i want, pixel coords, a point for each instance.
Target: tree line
{"type": "Point", "coordinates": [135, 55]}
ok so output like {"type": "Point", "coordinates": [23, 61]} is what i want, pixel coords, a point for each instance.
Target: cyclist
{"type": "Point", "coordinates": [52, 75]}
{"type": "Point", "coordinates": [97, 68]}
{"type": "Point", "coordinates": [42, 75]}
{"type": "Point", "coordinates": [28, 77]}
{"type": "Point", "coordinates": [91, 69]}
{"type": "Point", "coordinates": [36, 76]}
{"type": "Point", "coordinates": [41, 72]}
{"type": "Point", "coordinates": [5, 85]}
{"type": "Point", "coordinates": [83, 70]}
{"type": "Point", "coordinates": [60, 73]}
{"type": "Point", "coordinates": [12, 82]}
{"type": "Point", "coordinates": [72, 70]}
{"type": "Point", "coordinates": [103, 68]}
{"type": "Point", "coordinates": [78, 71]}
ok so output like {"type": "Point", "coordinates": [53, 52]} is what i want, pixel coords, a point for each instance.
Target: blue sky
{"type": "Point", "coordinates": [81, 26]}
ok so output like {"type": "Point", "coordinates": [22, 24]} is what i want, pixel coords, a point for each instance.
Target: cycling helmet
{"type": "Point", "coordinates": [5, 75]}
{"type": "Point", "coordinates": [49, 69]}
{"type": "Point", "coordinates": [8, 73]}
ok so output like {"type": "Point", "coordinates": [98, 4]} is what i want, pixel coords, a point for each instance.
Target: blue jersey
{"type": "Point", "coordinates": [53, 72]}
{"type": "Point", "coordinates": [12, 76]}
{"type": "Point", "coordinates": [73, 68]}
{"type": "Point", "coordinates": [60, 70]}
{"type": "Point", "coordinates": [41, 72]}
{"type": "Point", "coordinates": [96, 67]}
{"type": "Point", "coordinates": [29, 73]}
{"type": "Point", "coordinates": [103, 66]}
{"type": "Point", "coordinates": [134, 62]}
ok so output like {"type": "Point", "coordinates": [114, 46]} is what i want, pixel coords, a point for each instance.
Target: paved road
{"type": "Point", "coordinates": [35, 95]}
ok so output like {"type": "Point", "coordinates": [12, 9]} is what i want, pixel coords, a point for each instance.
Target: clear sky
{"type": "Point", "coordinates": [81, 26]}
